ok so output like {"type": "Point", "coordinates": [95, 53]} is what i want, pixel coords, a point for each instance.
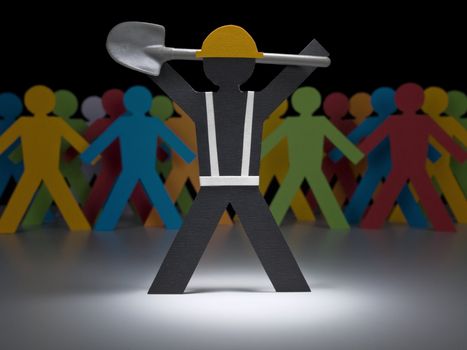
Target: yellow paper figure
{"type": "Point", "coordinates": [40, 141]}
{"type": "Point", "coordinates": [436, 102]}
{"type": "Point", "coordinates": [184, 127]}
{"type": "Point", "coordinates": [276, 164]}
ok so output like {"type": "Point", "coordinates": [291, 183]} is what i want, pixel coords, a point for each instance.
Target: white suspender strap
{"type": "Point", "coordinates": [215, 179]}
{"type": "Point", "coordinates": [247, 134]}
{"type": "Point", "coordinates": [212, 140]}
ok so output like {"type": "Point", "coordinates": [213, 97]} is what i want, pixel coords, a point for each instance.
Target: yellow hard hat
{"type": "Point", "coordinates": [229, 41]}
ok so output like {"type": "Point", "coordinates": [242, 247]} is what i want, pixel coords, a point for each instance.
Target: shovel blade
{"type": "Point", "coordinates": [127, 41]}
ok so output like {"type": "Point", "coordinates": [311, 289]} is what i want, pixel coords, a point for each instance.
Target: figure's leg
{"type": "Point", "coordinates": [432, 204]}
{"type": "Point", "coordinates": [300, 206]}
{"type": "Point", "coordinates": [460, 173]}
{"type": "Point", "coordinates": [283, 198]}
{"type": "Point", "coordinates": [327, 201]}
{"type": "Point", "coordinates": [66, 203]}
{"type": "Point", "coordinates": [346, 178]}
{"type": "Point", "coordinates": [18, 203]}
{"type": "Point", "coordinates": [361, 198]}
{"type": "Point", "coordinates": [190, 242]}
{"type": "Point", "coordinates": [267, 240]}
{"type": "Point", "coordinates": [140, 202]}
{"type": "Point", "coordinates": [410, 208]}
{"type": "Point", "coordinates": [384, 202]}
{"type": "Point", "coordinates": [161, 201]}
{"type": "Point", "coordinates": [453, 193]}
{"type": "Point", "coordinates": [99, 194]}
{"type": "Point", "coordinates": [78, 183]}
{"type": "Point", "coordinates": [37, 212]}
{"type": "Point", "coordinates": [115, 204]}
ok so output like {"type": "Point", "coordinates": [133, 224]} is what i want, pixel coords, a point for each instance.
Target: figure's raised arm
{"type": "Point", "coordinates": [288, 80]}
{"type": "Point", "coordinates": [174, 142]}
{"type": "Point", "coordinates": [273, 139]}
{"type": "Point", "coordinates": [339, 140]}
{"type": "Point", "coordinates": [178, 89]}
{"type": "Point", "coordinates": [102, 142]}
{"type": "Point", "coordinates": [375, 138]}
{"type": "Point", "coordinates": [356, 135]}
{"type": "Point", "coordinates": [10, 135]}
{"type": "Point", "coordinates": [73, 137]}
{"type": "Point", "coordinates": [443, 138]}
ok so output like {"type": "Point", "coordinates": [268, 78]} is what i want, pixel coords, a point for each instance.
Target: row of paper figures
{"type": "Point", "coordinates": [81, 160]}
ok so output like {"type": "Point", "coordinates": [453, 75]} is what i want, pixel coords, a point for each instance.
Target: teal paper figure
{"type": "Point", "coordinates": [138, 135]}
{"type": "Point", "coordinates": [305, 137]}
{"type": "Point", "coordinates": [11, 107]}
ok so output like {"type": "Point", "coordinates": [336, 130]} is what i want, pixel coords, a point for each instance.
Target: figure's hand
{"type": "Point", "coordinates": [190, 158]}
{"type": "Point", "coordinates": [95, 160]}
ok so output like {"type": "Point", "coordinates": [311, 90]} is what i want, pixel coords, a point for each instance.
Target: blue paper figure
{"type": "Point", "coordinates": [138, 136]}
{"type": "Point", "coordinates": [10, 108]}
{"type": "Point", "coordinates": [379, 165]}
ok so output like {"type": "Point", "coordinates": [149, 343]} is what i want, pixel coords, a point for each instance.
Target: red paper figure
{"type": "Point", "coordinates": [409, 135]}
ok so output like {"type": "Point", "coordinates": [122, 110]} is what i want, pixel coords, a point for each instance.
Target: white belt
{"type": "Point", "coordinates": [229, 180]}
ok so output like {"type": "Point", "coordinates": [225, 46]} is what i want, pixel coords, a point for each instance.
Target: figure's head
{"type": "Point", "coordinates": [409, 97]}
{"type": "Point", "coordinates": [138, 100]}
{"type": "Point", "coordinates": [66, 103]}
{"type": "Point", "coordinates": [383, 101]}
{"type": "Point", "coordinates": [306, 100]}
{"type": "Point", "coordinates": [336, 105]}
{"type": "Point", "coordinates": [161, 107]}
{"type": "Point", "coordinates": [229, 55]}
{"type": "Point", "coordinates": [280, 110]}
{"type": "Point", "coordinates": [10, 106]}
{"type": "Point", "coordinates": [40, 100]}
{"type": "Point", "coordinates": [360, 106]}
{"type": "Point", "coordinates": [92, 108]}
{"type": "Point", "coordinates": [112, 100]}
{"type": "Point", "coordinates": [457, 105]}
{"type": "Point", "coordinates": [436, 101]}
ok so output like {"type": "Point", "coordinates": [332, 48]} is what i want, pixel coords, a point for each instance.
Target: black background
{"type": "Point", "coordinates": [63, 46]}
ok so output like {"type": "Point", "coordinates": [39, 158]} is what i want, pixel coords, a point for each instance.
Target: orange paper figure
{"type": "Point", "coordinates": [276, 164]}
{"type": "Point", "coordinates": [436, 102]}
{"type": "Point", "coordinates": [41, 140]}
{"type": "Point", "coordinates": [183, 127]}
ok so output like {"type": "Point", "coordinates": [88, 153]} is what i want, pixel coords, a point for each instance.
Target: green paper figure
{"type": "Point", "coordinates": [456, 108]}
{"type": "Point", "coordinates": [66, 106]}
{"type": "Point", "coordinates": [305, 137]}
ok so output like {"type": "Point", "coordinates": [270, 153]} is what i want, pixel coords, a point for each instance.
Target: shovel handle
{"type": "Point", "coordinates": [294, 60]}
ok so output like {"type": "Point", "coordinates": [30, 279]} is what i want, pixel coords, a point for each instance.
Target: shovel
{"type": "Point", "coordinates": [141, 46]}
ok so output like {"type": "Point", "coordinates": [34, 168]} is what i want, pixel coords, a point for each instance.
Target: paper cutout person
{"type": "Point", "coordinates": [181, 172]}
{"type": "Point", "coordinates": [436, 102]}
{"type": "Point", "coordinates": [336, 106]}
{"type": "Point", "coordinates": [379, 164]}
{"type": "Point", "coordinates": [408, 135]}
{"type": "Point", "coordinates": [276, 164]}
{"type": "Point", "coordinates": [111, 167]}
{"type": "Point", "coordinates": [308, 131]}
{"type": "Point", "coordinates": [65, 107]}
{"type": "Point", "coordinates": [92, 110]}
{"type": "Point", "coordinates": [457, 106]}
{"type": "Point", "coordinates": [138, 135]}
{"type": "Point", "coordinates": [228, 128]}
{"type": "Point", "coordinates": [10, 108]}
{"type": "Point", "coordinates": [360, 109]}
{"type": "Point", "coordinates": [41, 139]}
